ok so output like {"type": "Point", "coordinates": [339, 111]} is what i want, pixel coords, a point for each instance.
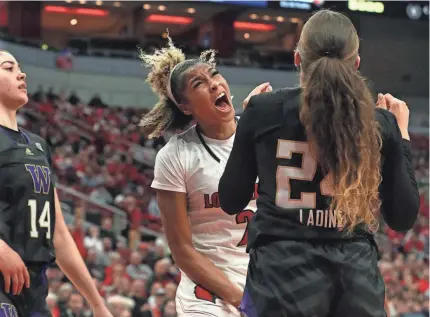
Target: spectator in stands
{"type": "Point", "coordinates": [169, 309]}
{"type": "Point", "coordinates": [137, 270]}
{"type": "Point", "coordinates": [170, 288]}
{"type": "Point", "coordinates": [52, 303]}
{"type": "Point", "coordinates": [101, 195]}
{"type": "Point", "coordinates": [97, 102]}
{"type": "Point", "coordinates": [74, 99]}
{"type": "Point", "coordinates": [75, 306]}
{"type": "Point", "coordinates": [94, 266]}
{"type": "Point", "coordinates": [161, 272]}
{"type": "Point", "coordinates": [63, 295]}
{"type": "Point", "coordinates": [118, 304]}
{"type": "Point", "coordinates": [138, 294]}
{"type": "Point", "coordinates": [106, 231]}
{"type": "Point", "coordinates": [92, 241]}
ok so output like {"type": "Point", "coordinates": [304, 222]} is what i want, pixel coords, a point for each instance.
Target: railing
{"type": "Point", "coordinates": [71, 198]}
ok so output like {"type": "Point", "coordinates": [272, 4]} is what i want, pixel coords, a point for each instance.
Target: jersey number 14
{"type": "Point", "coordinates": [39, 221]}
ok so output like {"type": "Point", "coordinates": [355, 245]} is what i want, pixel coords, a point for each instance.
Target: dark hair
{"type": "Point", "coordinates": [337, 110]}
{"type": "Point", "coordinates": [169, 64]}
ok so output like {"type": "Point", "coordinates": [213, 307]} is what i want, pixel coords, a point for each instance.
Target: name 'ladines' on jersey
{"type": "Point", "coordinates": [27, 204]}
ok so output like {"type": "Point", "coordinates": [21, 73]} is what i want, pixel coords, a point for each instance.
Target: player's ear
{"type": "Point", "coordinates": [185, 109]}
{"type": "Point", "coordinates": [297, 59]}
{"type": "Point", "coordinates": [357, 62]}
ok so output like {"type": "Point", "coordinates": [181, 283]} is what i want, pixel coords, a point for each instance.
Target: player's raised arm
{"type": "Point", "coordinates": [238, 180]}
{"type": "Point", "coordinates": [399, 190]}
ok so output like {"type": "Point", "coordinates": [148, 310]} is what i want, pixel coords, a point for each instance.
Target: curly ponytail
{"type": "Point", "coordinates": [337, 111]}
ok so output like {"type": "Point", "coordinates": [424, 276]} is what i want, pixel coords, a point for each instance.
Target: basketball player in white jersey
{"type": "Point", "coordinates": [208, 246]}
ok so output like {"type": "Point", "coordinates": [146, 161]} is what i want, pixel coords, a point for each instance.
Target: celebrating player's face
{"type": "Point", "coordinates": [207, 95]}
{"type": "Point", "coordinates": [13, 90]}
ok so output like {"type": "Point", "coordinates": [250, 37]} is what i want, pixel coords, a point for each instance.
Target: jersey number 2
{"type": "Point", "coordinates": [306, 172]}
{"type": "Point", "coordinates": [44, 220]}
{"type": "Point", "coordinates": [244, 216]}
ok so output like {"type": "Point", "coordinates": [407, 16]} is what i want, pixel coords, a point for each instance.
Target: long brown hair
{"type": "Point", "coordinates": [337, 110]}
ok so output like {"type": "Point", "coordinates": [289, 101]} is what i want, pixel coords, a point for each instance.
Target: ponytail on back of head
{"type": "Point", "coordinates": [337, 111]}
{"type": "Point", "coordinates": [165, 114]}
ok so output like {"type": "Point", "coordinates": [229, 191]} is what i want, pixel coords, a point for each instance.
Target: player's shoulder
{"type": "Point", "coordinates": [384, 116]}
{"type": "Point", "coordinates": [386, 120]}
{"type": "Point", "coordinates": [33, 136]}
{"type": "Point", "coordinates": [178, 144]}
{"type": "Point", "coordinates": [278, 98]}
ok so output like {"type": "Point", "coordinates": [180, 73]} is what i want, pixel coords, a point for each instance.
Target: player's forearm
{"type": "Point", "coordinates": [204, 273]}
{"type": "Point", "coordinates": [71, 263]}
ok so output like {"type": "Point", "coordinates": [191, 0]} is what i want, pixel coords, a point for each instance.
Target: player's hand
{"type": "Point", "coordinates": [13, 269]}
{"type": "Point", "coordinates": [399, 109]}
{"type": "Point", "coordinates": [101, 311]}
{"type": "Point", "coordinates": [256, 91]}
{"type": "Point", "coordinates": [235, 298]}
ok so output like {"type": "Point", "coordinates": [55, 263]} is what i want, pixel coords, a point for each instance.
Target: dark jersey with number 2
{"type": "Point", "coordinates": [27, 205]}
{"type": "Point", "coordinates": [294, 195]}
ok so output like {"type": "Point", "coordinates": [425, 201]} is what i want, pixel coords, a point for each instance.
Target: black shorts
{"type": "Point", "coordinates": [32, 301]}
{"type": "Point", "coordinates": [305, 279]}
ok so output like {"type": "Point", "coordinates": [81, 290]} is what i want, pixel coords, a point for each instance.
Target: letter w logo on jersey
{"type": "Point", "coordinates": [8, 310]}
{"type": "Point", "coordinates": [41, 178]}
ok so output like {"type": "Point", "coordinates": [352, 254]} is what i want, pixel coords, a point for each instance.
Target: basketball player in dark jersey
{"type": "Point", "coordinates": [327, 161]}
{"type": "Point", "coordinates": [33, 233]}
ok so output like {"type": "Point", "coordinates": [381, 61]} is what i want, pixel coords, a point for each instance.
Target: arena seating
{"type": "Point", "coordinates": [94, 152]}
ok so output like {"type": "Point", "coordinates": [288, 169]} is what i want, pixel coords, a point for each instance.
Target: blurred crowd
{"type": "Point", "coordinates": [101, 152]}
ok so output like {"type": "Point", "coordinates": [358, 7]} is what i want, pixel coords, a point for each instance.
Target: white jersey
{"type": "Point", "coordinates": [185, 165]}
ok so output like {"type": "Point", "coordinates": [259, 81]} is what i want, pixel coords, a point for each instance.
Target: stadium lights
{"type": "Point", "coordinates": [76, 11]}
{"type": "Point", "coordinates": [169, 19]}
{"type": "Point", "coordinates": [280, 19]}
{"type": "Point", "coordinates": [162, 8]}
{"type": "Point", "coordinates": [117, 4]}
{"type": "Point", "coordinates": [99, 3]}
{"type": "Point", "coordinates": [73, 22]}
{"type": "Point", "coordinates": [191, 10]}
{"type": "Point", "coordinates": [246, 36]}
{"type": "Point", "coordinates": [82, 1]}
{"type": "Point", "coordinates": [146, 6]}
{"type": "Point", "coordinates": [253, 16]}
{"type": "Point", "coordinates": [253, 26]}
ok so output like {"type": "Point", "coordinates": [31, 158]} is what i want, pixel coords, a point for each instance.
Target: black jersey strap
{"type": "Point", "coordinates": [207, 148]}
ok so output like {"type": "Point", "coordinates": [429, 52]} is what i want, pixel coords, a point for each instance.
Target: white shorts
{"type": "Point", "coordinates": [201, 308]}
{"type": "Point", "coordinates": [194, 301]}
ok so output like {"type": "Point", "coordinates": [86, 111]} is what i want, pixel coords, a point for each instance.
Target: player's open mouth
{"type": "Point", "coordinates": [222, 103]}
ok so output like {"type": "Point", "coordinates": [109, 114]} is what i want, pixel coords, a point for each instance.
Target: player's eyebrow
{"type": "Point", "coordinates": [11, 62]}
